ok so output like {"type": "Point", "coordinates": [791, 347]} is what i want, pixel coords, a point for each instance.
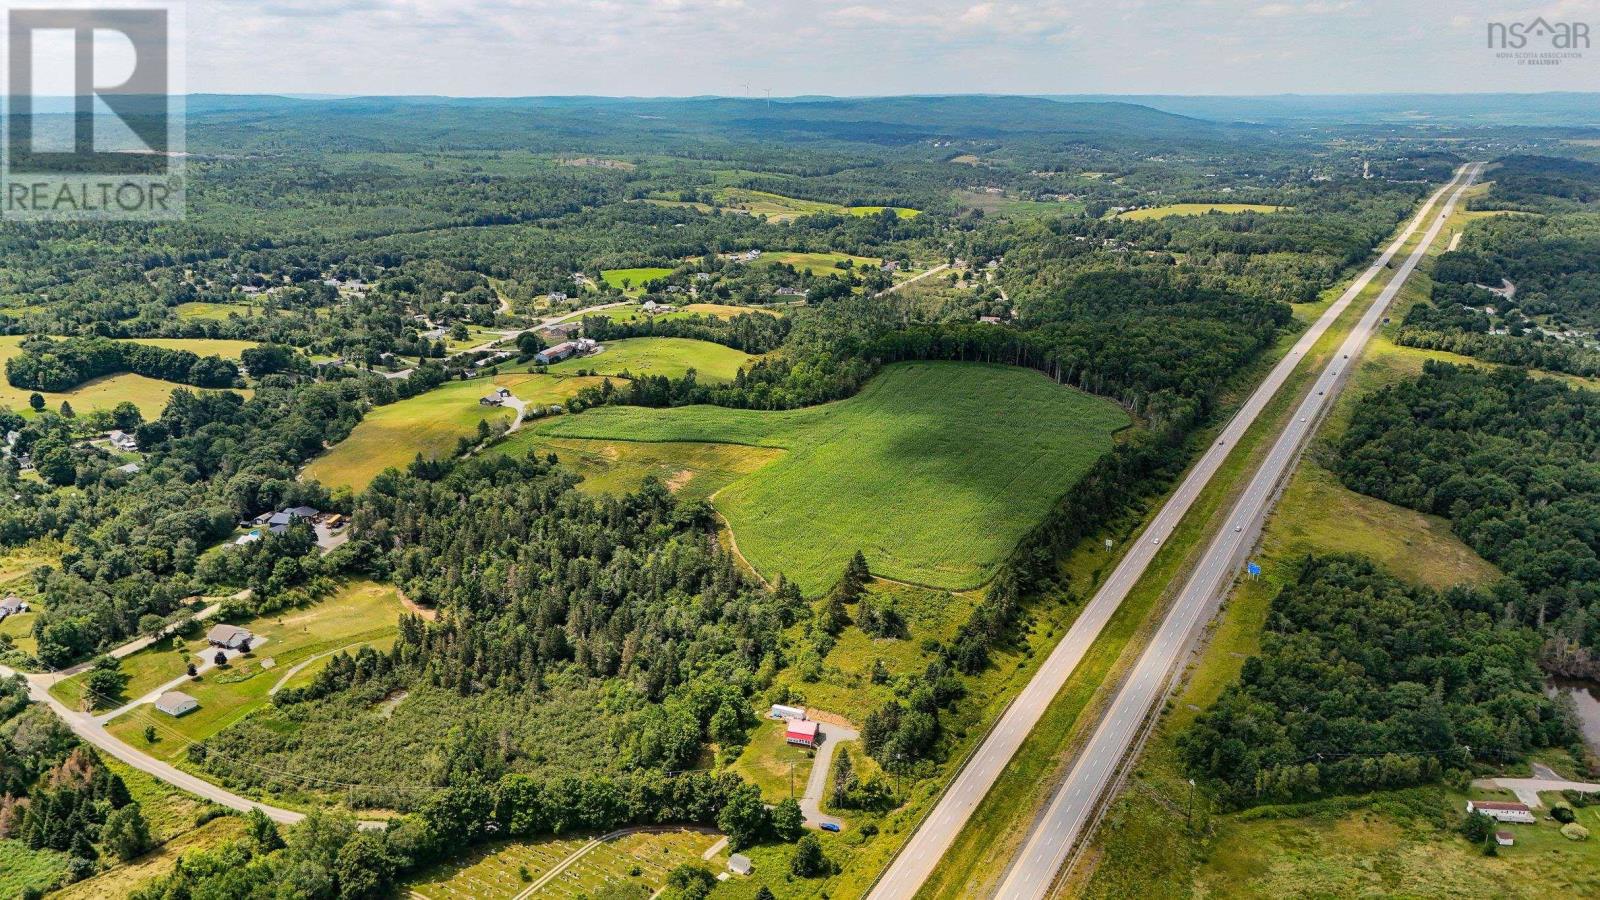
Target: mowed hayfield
{"type": "Point", "coordinates": [632, 281]}
{"type": "Point", "coordinates": [816, 263]}
{"type": "Point", "coordinates": [361, 612]}
{"type": "Point", "coordinates": [1196, 209]}
{"type": "Point", "coordinates": [780, 208]}
{"type": "Point", "coordinates": [934, 470]}
{"type": "Point", "coordinates": [149, 394]}
{"type": "Point", "coordinates": [430, 424]}
{"type": "Point", "coordinates": [667, 356]}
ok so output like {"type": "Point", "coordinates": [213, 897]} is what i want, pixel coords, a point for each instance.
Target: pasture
{"type": "Point", "coordinates": [632, 281]}
{"type": "Point", "coordinates": [362, 612]}
{"type": "Point", "coordinates": [430, 424]}
{"type": "Point", "coordinates": [149, 394]}
{"type": "Point", "coordinates": [816, 263]}
{"type": "Point", "coordinates": [1195, 209]}
{"type": "Point", "coordinates": [934, 470]}
{"type": "Point", "coordinates": [1011, 208]}
{"type": "Point", "coordinates": [669, 356]}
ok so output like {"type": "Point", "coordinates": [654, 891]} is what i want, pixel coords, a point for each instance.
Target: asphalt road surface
{"type": "Point", "coordinates": [911, 867]}
{"type": "Point", "coordinates": [1069, 814]}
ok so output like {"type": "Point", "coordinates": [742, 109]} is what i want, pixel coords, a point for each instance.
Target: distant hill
{"type": "Point", "coordinates": [556, 123]}
{"type": "Point", "coordinates": [1547, 109]}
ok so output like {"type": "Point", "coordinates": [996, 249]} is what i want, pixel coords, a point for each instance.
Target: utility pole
{"type": "Point", "coordinates": [1189, 813]}
{"type": "Point", "coordinates": [791, 781]}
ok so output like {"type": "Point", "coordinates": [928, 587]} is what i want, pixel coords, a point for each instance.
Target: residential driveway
{"type": "Point", "coordinates": [205, 661]}
{"type": "Point", "coordinates": [1527, 789]}
{"type": "Point", "coordinates": [821, 765]}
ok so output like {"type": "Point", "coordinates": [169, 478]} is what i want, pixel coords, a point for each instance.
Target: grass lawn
{"type": "Point", "coordinates": [815, 263]}
{"type": "Point", "coordinates": [476, 336]}
{"type": "Point", "coordinates": [773, 765]}
{"type": "Point", "coordinates": [361, 612]}
{"type": "Point", "coordinates": [632, 281]}
{"type": "Point", "coordinates": [1195, 209]}
{"type": "Point", "coordinates": [693, 471]}
{"type": "Point", "coordinates": [904, 212]}
{"type": "Point", "coordinates": [149, 394]}
{"type": "Point", "coordinates": [498, 869]}
{"type": "Point", "coordinates": [430, 424]}
{"type": "Point", "coordinates": [669, 356]}
{"type": "Point", "coordinates": [934, 470]}
{"type": "Point", "coordinates": [21, 868]}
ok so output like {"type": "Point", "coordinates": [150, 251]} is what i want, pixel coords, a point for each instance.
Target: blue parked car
{"type": "Point", "coordinates": [830, 826]}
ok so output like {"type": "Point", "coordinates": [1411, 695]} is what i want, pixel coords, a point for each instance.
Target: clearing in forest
{"type": "Point", "coordinates": [934, 471]}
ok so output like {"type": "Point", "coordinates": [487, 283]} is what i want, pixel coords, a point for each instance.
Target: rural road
{"type": "Point", "coordinates": [913, 279]}
{"type": "Point", "coordinates": [817, 781]}
{"type": "Point", "coordinates": [92, 732]}
{"type": "Point", "coordinates": [917, 859]}
{"type": "Point", "coordinates": [1071, 809]}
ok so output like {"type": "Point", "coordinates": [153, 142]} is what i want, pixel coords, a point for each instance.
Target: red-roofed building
{"type": "Point", "coordinates": [801, 732]}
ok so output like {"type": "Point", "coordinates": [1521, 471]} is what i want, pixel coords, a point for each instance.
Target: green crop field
{"type": "Point", "coordinates": [632, 281]}
{"type": "Point", "coordinates": [1195, 209]}
{"type": "Point", "coordinates": [693, 471]}
{"type": "Point", "coordinates": [1009, 208]}
{"type": "Point", "coordinates": [816, 263]}
{"type": "Point", "coordinates": [429, 424]}
{"type": "Point", "coordinates": [361, 612]}
{"type": "Point", "coordinates": [149, 394]}
{"type": "Point", "coordinates": [934, 470]}
{"type": "Point", "coordinates": [669, 356]}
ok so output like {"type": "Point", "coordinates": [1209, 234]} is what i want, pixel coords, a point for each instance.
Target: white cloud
{"type": "Point", "coordinates": [678, 47]}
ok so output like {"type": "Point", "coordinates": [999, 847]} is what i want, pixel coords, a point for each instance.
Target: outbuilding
{"type": "Point", "coordinates": [1504, 838]}
{"type": "Point", "coordinates": [801, 733]}
{"type": "Point", "coordinates": [739, 864]}
{"type": "Point", "coordinates": [779, 711]}
{"type": "Point", "coordinates": [12, 605]}
{"type": "Point", "coordinates": [176, 703]}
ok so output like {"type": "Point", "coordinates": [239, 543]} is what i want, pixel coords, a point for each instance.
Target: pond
{"type": "Point", "coordinates": [1585, 699]}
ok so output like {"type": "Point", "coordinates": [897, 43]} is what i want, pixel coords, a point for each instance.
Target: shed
{"type": "Point", "coordinates": [779, 711]}
{"type": "Point", "coordinates": [12, 604]}
{"type": "Point", "coordinates": [739, 864]}
{"type": "Point", "coordinates": [176, 703]}
{"type": "Point", "coordinates": [1504, 838]}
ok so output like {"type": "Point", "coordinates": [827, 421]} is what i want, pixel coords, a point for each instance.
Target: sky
{"type": "Point", "coordinates": [869, 47]}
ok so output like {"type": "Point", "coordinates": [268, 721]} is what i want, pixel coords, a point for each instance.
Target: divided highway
{"type": "Point", "coordinates": [1073, 806]}
{"type": "Point", "coordinates": [1054, 836]}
